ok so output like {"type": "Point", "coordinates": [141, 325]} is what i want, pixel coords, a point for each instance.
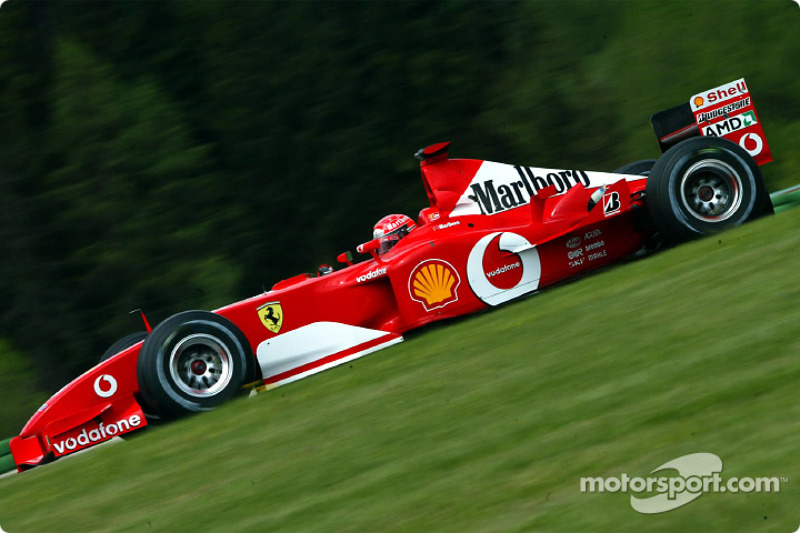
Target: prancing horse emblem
{"type": "Point", "coordinates": [271, 315]}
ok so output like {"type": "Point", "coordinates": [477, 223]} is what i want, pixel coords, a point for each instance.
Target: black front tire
{"type": "Point", "coordinates": [193, 361]}
{"type": "Point", "coordinates": [122, 344]}
{"type": "Point", "coordinates": [704, 185]}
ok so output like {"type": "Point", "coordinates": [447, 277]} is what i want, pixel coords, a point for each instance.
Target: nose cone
{"type": "Point", "coordinates": [104, 394]}
{"type": "Point", "coordinates": [34, 423]}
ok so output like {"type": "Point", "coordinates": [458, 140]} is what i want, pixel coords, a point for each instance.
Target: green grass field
{"type": "Point", "coordinates": [488, 423]}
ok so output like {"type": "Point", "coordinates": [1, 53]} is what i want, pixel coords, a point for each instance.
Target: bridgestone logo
{"type": "Point", "coordinates": [502, 269]}
{"type": "Point", "coordinates": [724, 110]}
{"type": "Point", "coordinates": [100, 433]}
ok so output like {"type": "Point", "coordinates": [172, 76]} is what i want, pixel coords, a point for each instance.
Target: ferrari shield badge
{"type": "Point", "coordinates": [271, 315]}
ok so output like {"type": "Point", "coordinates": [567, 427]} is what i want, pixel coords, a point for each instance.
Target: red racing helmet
{"type": "Point", "coordinates": [390, 229]}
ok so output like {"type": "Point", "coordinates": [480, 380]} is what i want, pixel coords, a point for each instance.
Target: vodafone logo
{"type": "Point", "coordinates": [101, 432]}
{"type": "Point", "coordinates": [371, 275]}
{"type": "Point", "coordinates": [105, 386]}
{"type": "Point", "coordinates": [503, 269]}
{"type": "Point", "coordinates": [503, 266]}
{"type": "Point", "coordinates": [752, 142]}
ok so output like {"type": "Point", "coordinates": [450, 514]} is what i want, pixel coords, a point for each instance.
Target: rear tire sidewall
{"type": "Point", "coordinates": [163, 390]}
{"type": "Point", "coordinates": [668, 205]}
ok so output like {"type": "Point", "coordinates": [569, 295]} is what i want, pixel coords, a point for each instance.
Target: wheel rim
{"type": "Point", "coordinates": [711, 190]}
{"type": "Point", "coordinates": [200, 365]}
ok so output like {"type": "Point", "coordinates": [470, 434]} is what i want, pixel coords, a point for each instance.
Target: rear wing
{"type": "Point", "coordinates": [725, 111]}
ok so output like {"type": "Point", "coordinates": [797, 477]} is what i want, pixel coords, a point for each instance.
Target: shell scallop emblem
{"type": "Point", "coordinates": [434, 283]}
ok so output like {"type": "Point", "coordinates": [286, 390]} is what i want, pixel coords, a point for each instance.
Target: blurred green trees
{"type": "Point", "coordinates": [20, 398]}
{"type": "Point", "coordinates": [181, 155]}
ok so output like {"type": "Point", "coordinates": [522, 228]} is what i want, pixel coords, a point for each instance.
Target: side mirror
{"type": "Point", "coordinates": [370, 247]}
{"type": "Point", "coordinates": [345, 257]}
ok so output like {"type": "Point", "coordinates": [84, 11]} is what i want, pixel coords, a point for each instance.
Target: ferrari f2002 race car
{"type": "Point", "coordinates": [492, 232]}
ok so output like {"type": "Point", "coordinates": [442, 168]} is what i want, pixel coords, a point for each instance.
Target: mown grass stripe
{"type": "Point", "coordinates": [7, 464]}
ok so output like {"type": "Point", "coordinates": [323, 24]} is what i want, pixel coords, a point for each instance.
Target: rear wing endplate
{"type": "Point", "coordinates": [725, 111]}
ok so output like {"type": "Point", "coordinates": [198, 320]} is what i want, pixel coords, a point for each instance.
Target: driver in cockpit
{"type": "Point", "coordinates": [390, 229]}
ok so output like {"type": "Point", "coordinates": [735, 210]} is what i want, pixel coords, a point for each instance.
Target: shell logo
{"type": "Point", "coordinates": [698, 101]}
{"type": "Point", "coordinates": [434, 283]}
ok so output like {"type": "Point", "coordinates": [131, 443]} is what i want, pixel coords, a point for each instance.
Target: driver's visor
{"type": "Point", "coordinates": [388, 241]}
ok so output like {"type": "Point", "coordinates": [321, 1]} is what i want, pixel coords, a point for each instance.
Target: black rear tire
{"type": "Point", "coordinates": [638, 168]}
{"type": "Point", "coordinates": [191, 362]}
{"type": "Point", "coordinates": [125, 342]}
{"type": "Point", "coordinates": [704, 185]}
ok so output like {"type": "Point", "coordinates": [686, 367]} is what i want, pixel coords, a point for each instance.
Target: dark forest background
{"type": "Point", "coordinates": [178, 155]}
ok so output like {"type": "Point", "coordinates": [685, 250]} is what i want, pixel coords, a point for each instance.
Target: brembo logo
{"type": "Point", "coordinates": [371, 275]}
{"type": "Point", "coordinates": [100, 433]}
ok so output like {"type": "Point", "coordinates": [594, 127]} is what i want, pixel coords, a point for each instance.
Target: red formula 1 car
{"type": "Point", "coordinates": [493, 232]}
